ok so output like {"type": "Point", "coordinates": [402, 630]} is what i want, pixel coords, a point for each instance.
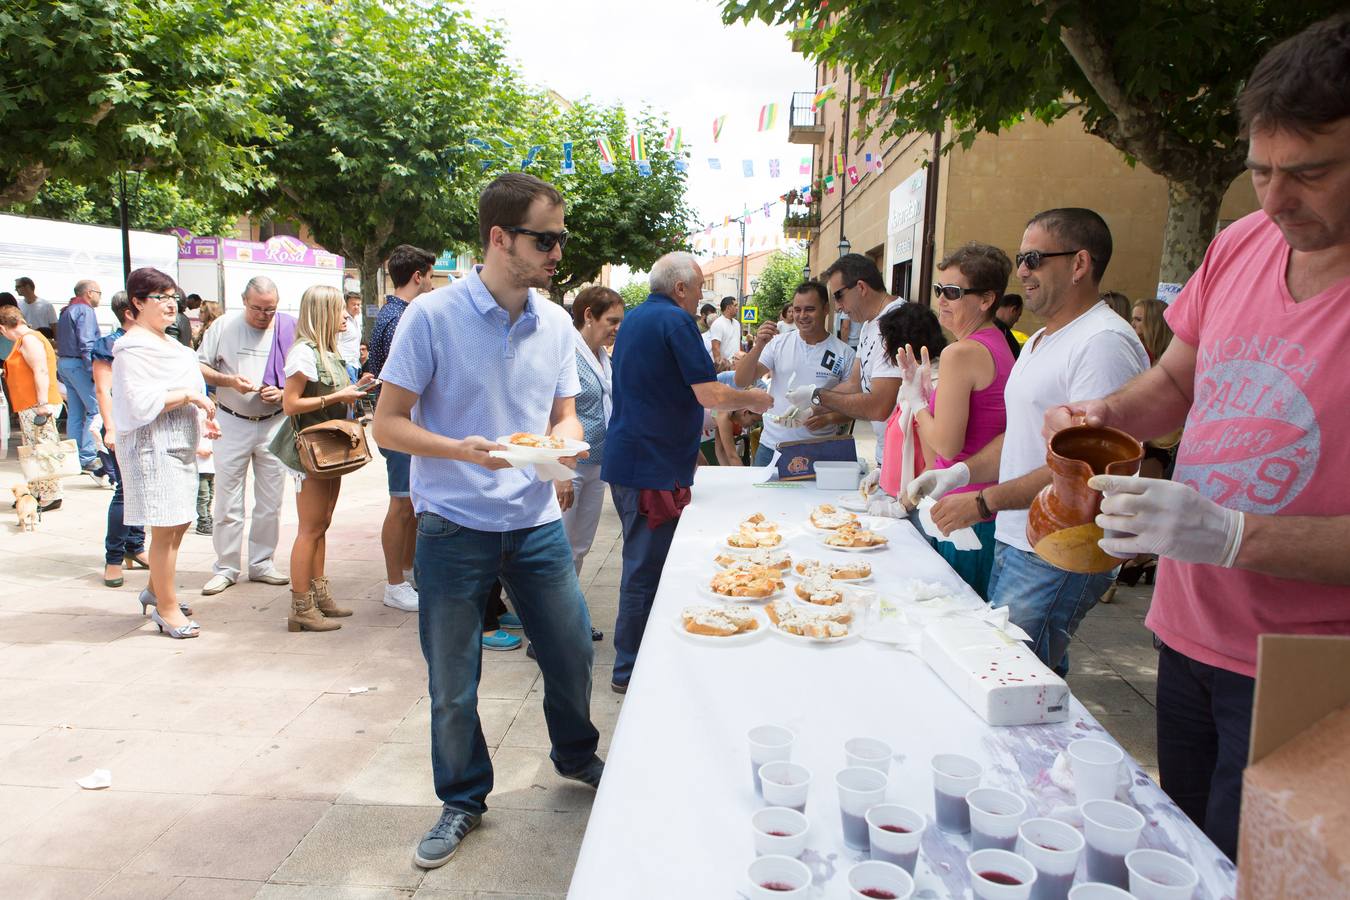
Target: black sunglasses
{"type": "Point", "coordinates": [1032, 259]}
{"type": "Point", "coordinates": [955, 292]}
{"type": "Point", "coordinates": [544, 241]}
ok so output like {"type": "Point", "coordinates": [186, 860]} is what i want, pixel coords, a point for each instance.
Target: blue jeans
{"type": "Point", "coordinates": [764, 454]}
{"type": "Point", "coordinates": [1204, 731]}
{"type": "Point", "coordinates": [1044, 601]}
{"type": "Point", "coordinates": [121, 540]}
{"type": "Point", "coordinates": [455, 568]}
{"type": "Point", "coordinates": [644, 556]}
{"type": "Point", "coordinates": [81, 403]}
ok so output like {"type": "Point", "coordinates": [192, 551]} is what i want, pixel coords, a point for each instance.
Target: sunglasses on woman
{"type": "Point", "coordinates": [544, 241]}
{"type": "Point", "coordinates": [954, 291]}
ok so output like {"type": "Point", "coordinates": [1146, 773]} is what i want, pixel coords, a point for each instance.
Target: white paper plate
{"type": "Point", "coordinates": [853, 635]}
{"type": "Point", "coordinates": [853, 502]}
{"type": "Point", "coordinates": [744, 637]}
{"type": "Point", "coordinates": [836, 580]}
{"type": "Point", "coordinates": [707, 591]}
{"type": "Point", "coordinates": [572, 448]}
{"type": "Point", "coordinates": [852, 549]}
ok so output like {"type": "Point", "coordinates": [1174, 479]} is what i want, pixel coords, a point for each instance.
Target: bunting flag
{"type": "Point", "coordinates": [530, 156]}
{"type": "Point", "coordinates": [805, 194]}
{"type": "Point", "coordinates": [506, 145]}
{"type": "Point", "coordinates": [767, 214]}
{"type": "Point", "coordinates": [889, 85]}
{"type": "Point", "coordinates": [637, 147]}
{"type": "Point", "coordinates": [774, 170]}
{"type": "Point", "coordinates": [823, 96]}
{"type": "Point", "coordinates": [877, 166]}
{"type": "Point", "coordinates": [644, 168]}
{"type": "Point", "coordinates": [853, 178]}
{"type": "Point", "coordinates": [768, 117]}
{"type": "Point", "coordinates": [682, 166]}
{"type": "Point", "coordinates": [805, 167]}
{"type": "Point", "coordinates": [829, 184]}
{"type": "Point", "coordinates": [674, 139]}
{"type": "Point", "coordinates": [718, 123]}
{"type": "Point", "coordinates": [867, 162]}
{"type": "Point", "coordinates": [839, 164]}
{"type": "Point", "coordinates": [568, 167]}
{"type": "Point", "coordinates": [479, 143]}
{"type": "Point", "coordinates": [606, 150]}
{"type": "Point", "coordinates": [607, 168]}
{"type": "Point", "coordinates": [748, 168]}
{"type": "Point", "coordinates": [714, 163]}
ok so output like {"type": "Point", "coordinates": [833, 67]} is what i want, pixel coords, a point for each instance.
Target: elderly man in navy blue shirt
{"type": "Point", "coordinates": [76, 330]}
{"type": "Point", "coordinates": [488, 356]}
{"type": "Point", "coordinates": [663, 380]}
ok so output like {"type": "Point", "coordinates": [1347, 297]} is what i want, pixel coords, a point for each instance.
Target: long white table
{"type": "Point", "coordinates": [672, 816]}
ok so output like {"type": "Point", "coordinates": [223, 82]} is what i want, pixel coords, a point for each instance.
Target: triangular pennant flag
{"type": "Point", "coordinates": [718, 124]}
{"type": "Point", "coordinates": [768, 117]}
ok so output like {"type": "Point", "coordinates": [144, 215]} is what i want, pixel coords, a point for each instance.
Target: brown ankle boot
{"type": "Point", "coordinates": [305, 616]}
{"type": "Point", "coordinates": [323, 599]}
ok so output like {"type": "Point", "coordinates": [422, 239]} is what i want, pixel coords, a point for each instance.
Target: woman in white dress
{"type": "Point", "coordinates": [162, 417]}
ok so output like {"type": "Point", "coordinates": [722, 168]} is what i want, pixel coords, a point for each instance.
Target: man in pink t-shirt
{"type": "Point", "coordinates": [1254, 529]}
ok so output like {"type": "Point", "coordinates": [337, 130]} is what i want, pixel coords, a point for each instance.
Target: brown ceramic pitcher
{"type": "Point", "coordinates": [1061, 525]}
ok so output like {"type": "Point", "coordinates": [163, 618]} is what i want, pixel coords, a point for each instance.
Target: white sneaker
{"type": "Point", "coordinates": [408, 577]}
{"type": "Point", "coordinates": [400, 596]}
{"type": "Point", "coordinates": [271, 576]}
{"type": "Point", "coordinates": [217, 584]}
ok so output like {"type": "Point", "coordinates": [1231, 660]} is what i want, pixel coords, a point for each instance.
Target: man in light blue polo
{"type": "Point", "coordinates": [485, 357]}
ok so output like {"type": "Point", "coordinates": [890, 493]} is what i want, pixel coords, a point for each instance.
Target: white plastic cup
{"type": "Point", "coordinates": [790, 878]}
{"type": "Point", "coordinates": [1054, 848]}
{"type": "Point", "coordinates": [768, 743]}
{"type": "Point", "coordinates": [1155, 875]}
{"type": "Point", "coordinates": [1112, 830]}
{"type": "Point", "coordinates": [1096, 769]}
{"type": "Point", "coordinates": [890, 845]}
{"type": "Point", "coordinates": [860, 789]}
{"type": "Point", "coordinates": [880, 880]}
{"type": "Point", "coordinates": [785, 784]}
{"type": "Point", "coordinates": [869, 753]}
{"type": "Point", "coordinates": [988, 868]}
{"type": "Point", "coordinates": [994, 817]}
{"type": "Point", "coordinates": [779, 831]}
{"type": "Point", "coordinates": [954, 776]}
{"type": "Point", "coordinates": [1095, 890]}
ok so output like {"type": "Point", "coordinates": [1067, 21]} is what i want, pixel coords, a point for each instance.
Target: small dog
{"type": "Point", "coordinates": [26, 505]}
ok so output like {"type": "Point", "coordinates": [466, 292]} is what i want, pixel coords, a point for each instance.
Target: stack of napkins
{"type": "Point", "coordinates": [994, 672]}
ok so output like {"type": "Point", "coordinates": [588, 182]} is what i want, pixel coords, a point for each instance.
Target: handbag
{"type": "Point", "coordinates": [50, 459]}
{"type": "Point", "coordinates": [332, 449]}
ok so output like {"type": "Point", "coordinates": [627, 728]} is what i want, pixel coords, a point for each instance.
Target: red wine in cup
{"type": "Point", "coordinates": [777, 886]}
{"type": "Point", "coordinates": [877, 893]}
{"type": "Point", "coordinates": [1000, 878]}
{"type": "Point", "coordinates": [779, 833]}
{"type": "Point", "coordinates": [896, 829]}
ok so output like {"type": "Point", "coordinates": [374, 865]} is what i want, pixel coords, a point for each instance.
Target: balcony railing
{"type": "Point", "coordinates": [801, 222]}
{"type": "Point", "coordinates": [805, 125]}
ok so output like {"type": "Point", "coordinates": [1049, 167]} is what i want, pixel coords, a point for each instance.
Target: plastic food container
{"type": "Point", "coordinates": [837, 476]}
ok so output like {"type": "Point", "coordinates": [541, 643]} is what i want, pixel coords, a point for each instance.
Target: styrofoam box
{"type": "Point", "coordinates": [837, 475]}
{"type": "Point", "coordinates": [995, 674]}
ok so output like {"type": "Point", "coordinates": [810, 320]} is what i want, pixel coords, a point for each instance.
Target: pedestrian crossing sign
{"type": "Point", "coordinates": [749, 315]}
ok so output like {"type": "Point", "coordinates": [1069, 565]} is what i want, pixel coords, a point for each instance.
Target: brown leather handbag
{"type": "Point", "coordinates": [332, 449]}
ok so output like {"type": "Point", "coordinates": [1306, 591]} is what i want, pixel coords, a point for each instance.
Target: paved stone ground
{"type": "Point", "coordinates": [241, 764]}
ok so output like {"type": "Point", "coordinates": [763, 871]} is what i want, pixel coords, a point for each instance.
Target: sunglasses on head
{"type": "Point", "coordinates": [955, 292]}
{"type": "Point", "coordinates": [544, 241]}
{"type": "Point", "coordinates": [1032, 259]}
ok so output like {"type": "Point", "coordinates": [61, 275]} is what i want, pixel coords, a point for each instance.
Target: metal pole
{"type": "Point", "coordinates": [843, 176]}
{"type": "Point", "coordinates": [741, 288]}
{"type": "Point", "coordinates": [124, 218]}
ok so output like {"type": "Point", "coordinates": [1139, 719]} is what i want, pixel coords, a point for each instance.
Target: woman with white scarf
{"type": "Point", "coordinates": [597, 313]}
{"type": "Point", "coordinates": [162, 417]}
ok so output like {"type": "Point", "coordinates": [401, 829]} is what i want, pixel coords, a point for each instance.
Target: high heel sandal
{"type": "Point", "coordinates": [1130, 575]}
{"type": "Point", "coordinates": [132, 561]}
{"type": "Point", "coordinates": [148, 600]}
{"type": "Point", "coordinates": [190, 630]}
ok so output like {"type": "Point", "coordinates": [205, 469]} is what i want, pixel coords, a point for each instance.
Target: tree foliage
{"type": "Point", "coordinates": [633, 293]}
{"type": "Point", "coordinates": [91, 87]}
{"type": "Point", "coordinates": [778, 282]}
{"type": "Point", "coordinates": [154, 203]}
{"type": "Point", "coordinates": [1157, 79]}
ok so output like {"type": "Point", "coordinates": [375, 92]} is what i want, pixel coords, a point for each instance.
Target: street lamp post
{"type": "Point", "coordinates": [844, 246]}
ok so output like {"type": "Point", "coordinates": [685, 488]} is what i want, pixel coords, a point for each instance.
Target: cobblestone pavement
{"type": "Point", "coordinates": [243, 766]}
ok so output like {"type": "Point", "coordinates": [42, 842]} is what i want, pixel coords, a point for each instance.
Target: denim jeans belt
{"type": "Point", "coordinates": [223, 408]}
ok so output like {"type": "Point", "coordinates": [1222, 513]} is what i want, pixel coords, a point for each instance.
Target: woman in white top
{"type": "Point", "coordinates": [162, 417]}
{"type": "Point", "coordinates": [317, 389]}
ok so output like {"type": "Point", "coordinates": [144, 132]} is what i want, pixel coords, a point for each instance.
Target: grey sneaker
{"type": "Point", "coordinates": [441, 842]}
{"type": "Point", "coordinates": [589, 774]}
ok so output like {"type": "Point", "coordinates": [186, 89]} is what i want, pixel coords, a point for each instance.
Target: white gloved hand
{"type": "Point", "coordinates": [870, 482]}
{"type": "Point", "coordinates": [917, 384]}
{"type": "Point", "coordinates": [882, 504]}
{"type": "Point", "coordinates": [936, 482]}
{"type": "Point", "coordinates": [96, 432]}
{"type": "Point", "coordinates": [1149, 515]}
{"type": "Point", "coordinates": [801, 396]}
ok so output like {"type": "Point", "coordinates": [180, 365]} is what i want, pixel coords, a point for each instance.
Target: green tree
{"type": "Point", "coordinates": [154, 203]}
{"type": "Point", "coordinates": [1157, 79]}
{"type": "Point", "coordinates": [91, 87]}
{"type": "Point", "coordinates": [380, 99]}
{"type": "Point", "coordinates": [623, 218]}
{"type": "Point", "coordinates": [633, 293]}
{"type": "Point", "coordinates": [774, 289]}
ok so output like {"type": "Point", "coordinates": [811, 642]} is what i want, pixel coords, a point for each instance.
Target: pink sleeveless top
{"type": "Point", "coordinates": [892, 481]}
{"type": "Point", "coordinates": [988, 418]}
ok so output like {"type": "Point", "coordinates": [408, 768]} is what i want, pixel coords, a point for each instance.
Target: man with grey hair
{"type": "Point", "coordinates": [76, 331]}
{"type": "Point", "coordinates": [243, 356]}
{"type": "Point", "coordinates": [663, 380]}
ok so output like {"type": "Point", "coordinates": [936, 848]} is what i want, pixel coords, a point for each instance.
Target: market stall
{"type": "Point", "coordinates": [673, 815]}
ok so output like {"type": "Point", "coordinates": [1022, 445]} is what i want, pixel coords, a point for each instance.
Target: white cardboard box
{"type": "Point", "coordinates": [995, 674]}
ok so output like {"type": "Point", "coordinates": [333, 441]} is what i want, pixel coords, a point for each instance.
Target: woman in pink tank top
{"type": "Point", "coordinates": [965, 412]}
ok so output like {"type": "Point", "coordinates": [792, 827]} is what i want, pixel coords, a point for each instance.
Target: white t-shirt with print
{"type": "Point", "coordinates": [349, 341]}
{"type": "Point", "coordinates": [1091, 357]}
{"type": "Point", "coordinates": [873, 362]}
{"type": "Point", "coordinates": [726, 331]}
{"type": "Point", "coordinates": [821, 365]}
{"type": "Point", "coordinates": [231, 346]}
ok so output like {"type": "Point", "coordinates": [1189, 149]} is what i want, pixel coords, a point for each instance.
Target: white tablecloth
{"type": "Point", "coordinates": [672, 817]}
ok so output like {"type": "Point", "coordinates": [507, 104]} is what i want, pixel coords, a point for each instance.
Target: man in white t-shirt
{"type": "Point", "coordinates": [807, 356]}
{"type": "Point", "coordinates": [724, 336]}
{"type": "Point", "coordinates": [234, 355]}
{"type": "Point", "coordinates": [856, 285]}
{"type": "Point", "coordinates": [37, 313]}
{"type": "Point", "coordinates": [1084, 350]}
{"type": "Point", "coordinates": [349, 338]}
